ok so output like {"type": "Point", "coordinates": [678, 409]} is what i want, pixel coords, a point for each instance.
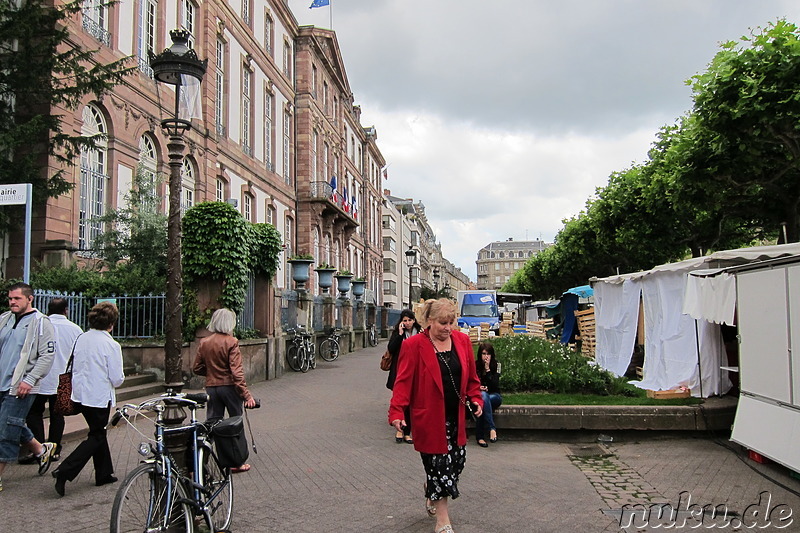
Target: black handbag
{"type": "Point", "coordinates": [230, 442]}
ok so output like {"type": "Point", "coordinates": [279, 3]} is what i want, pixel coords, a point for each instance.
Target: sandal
{"type": "Point", "coordinates": [447, 528]}
{"type": "Point", "coordinates": [239, 469]}
{"type": "Point", "coordinates": [429, 507]}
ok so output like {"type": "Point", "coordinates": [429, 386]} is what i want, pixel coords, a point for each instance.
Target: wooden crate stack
{"type": "Point", "coordinates": [507, 324]}
{"type": "Point", "coordinates": [586, 331]}
{"type": "Point", "coordinates": [538, 328]}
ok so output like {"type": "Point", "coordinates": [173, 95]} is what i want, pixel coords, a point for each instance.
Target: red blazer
{"type": "Point", "coordinates": [419, 385]}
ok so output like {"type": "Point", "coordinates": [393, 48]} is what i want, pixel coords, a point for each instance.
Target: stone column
{"type": "Point", "coordinates": [347, 324]}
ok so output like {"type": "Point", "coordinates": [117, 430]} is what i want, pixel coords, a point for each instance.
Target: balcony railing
{"type": "Point", "coordinates": [94, 29]}
{"type": "Point", "coordinates": [322, 190]}
{"type": "Point", "coordinates": [144, 66]}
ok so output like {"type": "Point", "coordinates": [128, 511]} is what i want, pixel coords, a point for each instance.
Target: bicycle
{"type": "Point", "coordinates": [329, 348]}
{"type": "Point", "coordinates": [158, 495]}
{"type": "Point", "coordinates": [300, 355]}
{"type": "Point", "coordinates": [372, 335]}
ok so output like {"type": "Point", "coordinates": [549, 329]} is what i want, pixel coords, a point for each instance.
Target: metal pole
{"type": "Point", "coordinates": [409, 287]}
{"type": "Point", "coordinates": [173, 306]}
{"type": "Point", "coordinates": [26, 266]}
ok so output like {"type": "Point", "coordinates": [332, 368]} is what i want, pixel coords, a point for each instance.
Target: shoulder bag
{"type": "Point", "coordinates": [386, 361]}
{"type": "Point", "coordinates": [64, 405]}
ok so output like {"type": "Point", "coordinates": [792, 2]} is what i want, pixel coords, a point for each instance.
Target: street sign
{"type": "Point", "coordinates": [14, 194]}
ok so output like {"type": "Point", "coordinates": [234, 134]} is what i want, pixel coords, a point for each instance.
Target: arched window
{"type": "Point", "coordinates": [317, 256]}
{"type": "Point", "coordinates": [93, 178]}
{"type": "Point", "coordinates": [187, 185]}
{"type": "Point", "coordinates": [148, 164]}
{"type": "Point", "coordinates": [327, 252]}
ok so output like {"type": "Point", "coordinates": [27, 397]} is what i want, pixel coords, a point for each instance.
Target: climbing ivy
{"type": "Point", "coordinates": [265, 247]}
{"type": "Point", "coordinates": [219, 244]}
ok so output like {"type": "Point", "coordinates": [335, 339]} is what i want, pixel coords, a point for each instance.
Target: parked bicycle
{"type": "Point", "coordinates": [372, 335]}
{"type": "Point", "coordinates": [300, 355]}
{"type": "Point", "coordinates": [329, 348]}
{"type": "Point", "coordinates": [161, 495]}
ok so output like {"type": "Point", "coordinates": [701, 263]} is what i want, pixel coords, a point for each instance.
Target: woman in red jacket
{"type": "Point", "coordinates": [435, 379]}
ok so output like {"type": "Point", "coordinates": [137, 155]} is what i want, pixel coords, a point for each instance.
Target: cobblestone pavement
{"type": "Point", "coordinates": [327, 462]}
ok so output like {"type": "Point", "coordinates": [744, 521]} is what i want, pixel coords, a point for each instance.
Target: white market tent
{"type": "Point", "coordinates": [764, 300]}
{"type": "Point", "coordinates": [674, 342]}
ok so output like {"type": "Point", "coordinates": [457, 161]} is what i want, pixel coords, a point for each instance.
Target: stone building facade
{"type": "Point", "coordinates": [275, 121]}
{"type": "Point", "coordinates": [497, 261]}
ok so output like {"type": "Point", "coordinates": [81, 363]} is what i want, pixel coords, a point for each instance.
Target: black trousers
{"type": "Point", "coordinates": [35, 420]}
{"type": "Point", "coordinates": [223, 398]}
{"type": "Point", "coordinates": [95, 447]}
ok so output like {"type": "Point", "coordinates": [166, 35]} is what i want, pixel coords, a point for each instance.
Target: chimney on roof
{"type": "Point", "coordinates": [387, 192]}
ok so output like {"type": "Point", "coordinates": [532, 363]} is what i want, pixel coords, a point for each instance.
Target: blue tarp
{"type": "Point", "coordinates": [584, 291]}
{"type": "Point", "coordinates": [569, 304]}
{"type": "Point", "coordinates": [478, 298]}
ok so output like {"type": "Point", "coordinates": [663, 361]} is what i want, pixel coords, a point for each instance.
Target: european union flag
{"type": "Point", "coordinates": [319, 3]}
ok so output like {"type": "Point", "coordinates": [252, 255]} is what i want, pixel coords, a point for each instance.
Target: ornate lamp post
{"type": "Point", "coordinates": [411, 260]}
{"type": "Point", "coordinates": [436, 281]}
{"type": "Point", "coordinates": [175, 66]}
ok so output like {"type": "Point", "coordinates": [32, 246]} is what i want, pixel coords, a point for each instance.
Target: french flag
{"type": "Point", "coordinates": [334, 197]}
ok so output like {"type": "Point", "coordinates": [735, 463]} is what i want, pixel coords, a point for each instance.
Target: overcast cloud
{"type": "Point", "coordinates": [503, 117]}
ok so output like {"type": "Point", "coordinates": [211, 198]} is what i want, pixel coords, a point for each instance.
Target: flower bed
{"type": "Point", "coordinates": [532, 364]}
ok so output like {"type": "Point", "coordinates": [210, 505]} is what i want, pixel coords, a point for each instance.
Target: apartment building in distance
{"type": "Point", "coordinates": [497, 261]}
{"type": "Point", "coordinates": [406, 229]}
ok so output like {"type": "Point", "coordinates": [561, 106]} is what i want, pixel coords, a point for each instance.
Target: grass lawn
{"type": "Point", "coordinates": [546, 398]}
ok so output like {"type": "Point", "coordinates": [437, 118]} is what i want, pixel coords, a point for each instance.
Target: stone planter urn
{"type": "Point", "coordinates": [300, 271]}
{"type": "Point", "coordinates": [325, 278]}
{"type": "Point", "coordinates": [343, 284]}
{"type": "Point", "coordinates": [359, 286]}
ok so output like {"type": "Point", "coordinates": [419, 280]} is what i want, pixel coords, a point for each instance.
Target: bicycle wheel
{"type": "Point", "coordinates": [312, 354]}
{"type": "Point", "coordinates": [219, 487]}
{"type": "Point", "coordinates": [141, 504]}
{"type": "Point", "coordinates": [329, 349]}
{"type": "Point", "coordinates": [373, 337]}
{"type": "Point", "coordinates": [302, 358]}
{"type": "Point", "coordinates": [293, 358]}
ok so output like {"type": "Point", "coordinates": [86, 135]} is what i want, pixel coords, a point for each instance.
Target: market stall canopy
{"type": "Point", "coordinates": [584, 291]}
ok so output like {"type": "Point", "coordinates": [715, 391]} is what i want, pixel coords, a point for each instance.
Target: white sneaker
{"type": "Point", "coordinates": [46, 458]}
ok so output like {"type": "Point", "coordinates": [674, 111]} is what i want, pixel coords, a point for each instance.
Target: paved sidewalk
{"type": "Point", "coordinates": [327, 462]}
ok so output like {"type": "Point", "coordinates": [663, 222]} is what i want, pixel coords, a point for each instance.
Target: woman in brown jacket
{"type": "Point", "coordinates": [220, 361]}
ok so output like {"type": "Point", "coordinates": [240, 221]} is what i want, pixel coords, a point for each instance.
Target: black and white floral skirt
{"type": "Point", "coordinates": [442, 470]}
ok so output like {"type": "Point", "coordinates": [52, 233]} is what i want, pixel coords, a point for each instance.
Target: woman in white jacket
{"type": "Point", "coordinates": [96, 372]}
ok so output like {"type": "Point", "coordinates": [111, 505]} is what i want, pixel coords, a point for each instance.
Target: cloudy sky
{"type": "Point", "coordinates": [503, 116]}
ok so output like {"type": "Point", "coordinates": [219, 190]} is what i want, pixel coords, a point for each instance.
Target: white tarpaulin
{"type": "Point", "coordinates": [616, 314]}
{"type": "Point", "coordinates": [711, 295]}
{"type": "Point", "coordinates": [671, 338]}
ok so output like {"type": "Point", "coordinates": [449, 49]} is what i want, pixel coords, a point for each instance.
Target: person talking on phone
{"type": "Point", "coordinates": [437, 382]}
{"type": "Point", "coordinates": [405, 328]}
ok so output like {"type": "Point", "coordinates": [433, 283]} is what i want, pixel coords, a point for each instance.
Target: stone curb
{"type": "Point", "coordinates": [716, 414]}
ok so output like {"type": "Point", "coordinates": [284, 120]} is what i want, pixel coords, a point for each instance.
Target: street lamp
{"type": "Point", "coordinates": [411, 260]}
{"type": "Point", "coordinates": [436, 281]}
{"type": "Point", "coordinates": [176, 65]}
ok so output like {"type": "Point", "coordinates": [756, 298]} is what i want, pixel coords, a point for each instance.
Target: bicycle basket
{"type": "Point", "coordinates": [230, 442]}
